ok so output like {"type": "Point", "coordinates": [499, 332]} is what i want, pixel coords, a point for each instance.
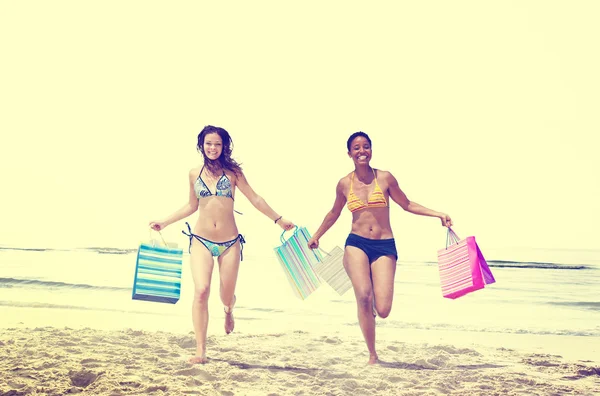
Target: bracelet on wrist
{"type": "Point", "coordinates": [277, 219]}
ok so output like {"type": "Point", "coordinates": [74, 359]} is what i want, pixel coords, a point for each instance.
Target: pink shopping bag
{"type": "Point", "coordinates": [462, 267]}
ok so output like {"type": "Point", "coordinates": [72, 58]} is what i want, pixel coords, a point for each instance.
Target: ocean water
{"type": "Point", "coordinates": [548, 300]}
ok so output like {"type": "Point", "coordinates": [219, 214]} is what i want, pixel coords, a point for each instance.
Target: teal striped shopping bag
{"type": "Point", "coordinates": [157, 273]}
{"type": "Point", "coordinates": [297, 261]}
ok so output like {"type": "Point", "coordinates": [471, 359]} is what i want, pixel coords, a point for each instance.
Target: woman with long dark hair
{"type": "Point", "coordinates": [211, 192]}
{"type": "Point", "coordinates": [370, 253]}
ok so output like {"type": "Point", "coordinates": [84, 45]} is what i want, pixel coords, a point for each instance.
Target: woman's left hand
{"type": "Point", "coordinates": [446, 220]}
{"type": "Point", "coordinates": [285, 224]}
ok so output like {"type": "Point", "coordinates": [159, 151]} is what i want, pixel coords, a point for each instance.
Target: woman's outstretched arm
{"type": "Point", "coordinates": [331, 216]}
{"type": "Point", "coordinates": [260, 204]}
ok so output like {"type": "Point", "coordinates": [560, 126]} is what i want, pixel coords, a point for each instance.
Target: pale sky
{"type": "Point", "coordinates": [485, 110]}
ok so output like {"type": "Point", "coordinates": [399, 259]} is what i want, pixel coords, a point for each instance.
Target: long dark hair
{"type": "Point", "coordinates": [355, 135]}
{"type": "Point", "coordinates": [224, 161]}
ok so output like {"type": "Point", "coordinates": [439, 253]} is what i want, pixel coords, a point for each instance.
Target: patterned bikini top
{"type": "Point", "coordinates": [376, 200]}
{"type": "Point", "coordinates": [222, 189]}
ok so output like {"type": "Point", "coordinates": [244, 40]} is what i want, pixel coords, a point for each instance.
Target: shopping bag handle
{"type": "Point", "coordinates": [281, 237]}
{"type": "Point", "coordinates": [161, 237]}
{"type": "Point", "coordinates": [451, 237]}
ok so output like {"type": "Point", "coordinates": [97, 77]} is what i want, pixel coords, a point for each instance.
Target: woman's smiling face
{"type": "Point", "coordinates": [213, 146]}
{"type": "Point", "coordinates": [360, 150]}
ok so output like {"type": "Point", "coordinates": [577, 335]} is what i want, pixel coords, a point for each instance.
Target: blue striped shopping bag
{"type": "Point", "coordinates": [297, 261]}
{"type": "Point", "coordinates": [157, 273]}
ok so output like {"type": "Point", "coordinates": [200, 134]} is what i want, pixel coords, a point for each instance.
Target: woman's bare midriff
{"type": "Point", "coordinates": [372, 223]}
{"type": "Point", "coordinates": [216, 221]}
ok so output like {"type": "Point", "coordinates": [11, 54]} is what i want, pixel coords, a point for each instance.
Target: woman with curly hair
{"type": "Point", "coordinates": [211, 192]}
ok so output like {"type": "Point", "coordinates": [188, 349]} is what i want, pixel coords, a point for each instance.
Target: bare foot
{"type": "Point", "coordinates": [229, 321]}
{"type": "Point", "coordinates": [200, 357]}
{"type": "Point", "coordinates": [373, 359]}
{"type": "Point", "coordinates": [198, 360]}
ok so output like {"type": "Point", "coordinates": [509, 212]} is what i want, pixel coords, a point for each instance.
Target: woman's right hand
{"type": "Point", "coordinates": [446, 220]}
{"type": "Point", "coordinates": [157, 225]}
{"type": "Point", "coordinates": [285, 224]}
{"type": "Point", "coordinates": [313, 243]}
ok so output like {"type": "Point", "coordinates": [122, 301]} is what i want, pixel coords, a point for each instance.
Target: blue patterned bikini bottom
{"type": "Point", "coordinates": [215, 248]}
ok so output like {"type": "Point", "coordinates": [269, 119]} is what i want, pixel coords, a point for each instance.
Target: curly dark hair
{"type": "Point", "coordinates": [355, 135]}
{"type": "Point", "coordinates": [224, 161]}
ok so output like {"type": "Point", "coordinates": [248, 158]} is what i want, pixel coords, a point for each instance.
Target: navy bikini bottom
{"type": "Point", "coordinates": [373, 248]}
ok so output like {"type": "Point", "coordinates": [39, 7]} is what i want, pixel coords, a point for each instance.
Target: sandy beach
{"type": "Point", "coordinates": [57, 361]}
{"type": "Point", "coordinates": [66, 330]}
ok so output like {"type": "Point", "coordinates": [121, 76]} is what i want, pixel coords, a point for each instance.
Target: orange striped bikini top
{"type": "Point", "coordinates": [376, 200]}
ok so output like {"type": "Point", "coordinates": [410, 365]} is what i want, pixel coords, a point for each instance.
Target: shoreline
{"type": "Point", "coordinates": [570, 347]}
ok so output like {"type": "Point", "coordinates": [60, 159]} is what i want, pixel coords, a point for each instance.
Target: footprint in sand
{"type": "Point", "coordinates": [336, 375]}
{"type": "Point", "coordinates": [46, 365]}
{"type": "Point", "coordinates": [133, 381]}
{"type": "Point", "coordinates": [470, 378]}
{"type": "Point", "coordinates": [66, 344]}
{"type": "Point", "coordinates": [426, 364]}
{"type": "Point", "coordinates": [243, 377]}
{"type": "Point", "coordinates": [90, 360]}
{"type": "Point", "coordinates": [395, 379]}
{"type": "Point", "coordinates": [23, 372]}
{"type": "Point", "coordinates": [225, 349]}
{"type": "Point", "coordinates": [456, 351]}
{"type": "Point", "coordinates": [440, 361]}
{"type": "Point", "coordinates": [159, 377]}
{"type": "Point", "coordinates": [30, 352]}
{"type": "Point", "coordinates": [82, 378]}
{"type": "Point", "coordinates": [127, 362]}
{"type": "Point", "coordinates": [129, 385]}
{"type": "Point", "coordinates": [16, 385]}
{"type": "Point", "coordinates": [525, 381]}
{"type": "Point", "coordinates": [351, 385]}
{"type": "Point", "coordinates": [543, 363]}
{"type": "Point", "coordinates": [192, 382]}
{"type": "Point", "coordinates": [333, 362]}
{"type": "Point", "coordinates": [331, 340]}
{"type": "Point", "coordinates": [586, 371]}
{"type": "Point", "coordinates": [156, 388]}
{"type": "Point", "coordinates": [196, 372]}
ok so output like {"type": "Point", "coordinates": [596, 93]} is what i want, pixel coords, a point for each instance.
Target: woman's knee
{"type": "Point", "coordinates": [364, 298]}
{"type": "Point", "coordinates": [383, 311]}
{"type": "Point", "coordinates": [201, 293]}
